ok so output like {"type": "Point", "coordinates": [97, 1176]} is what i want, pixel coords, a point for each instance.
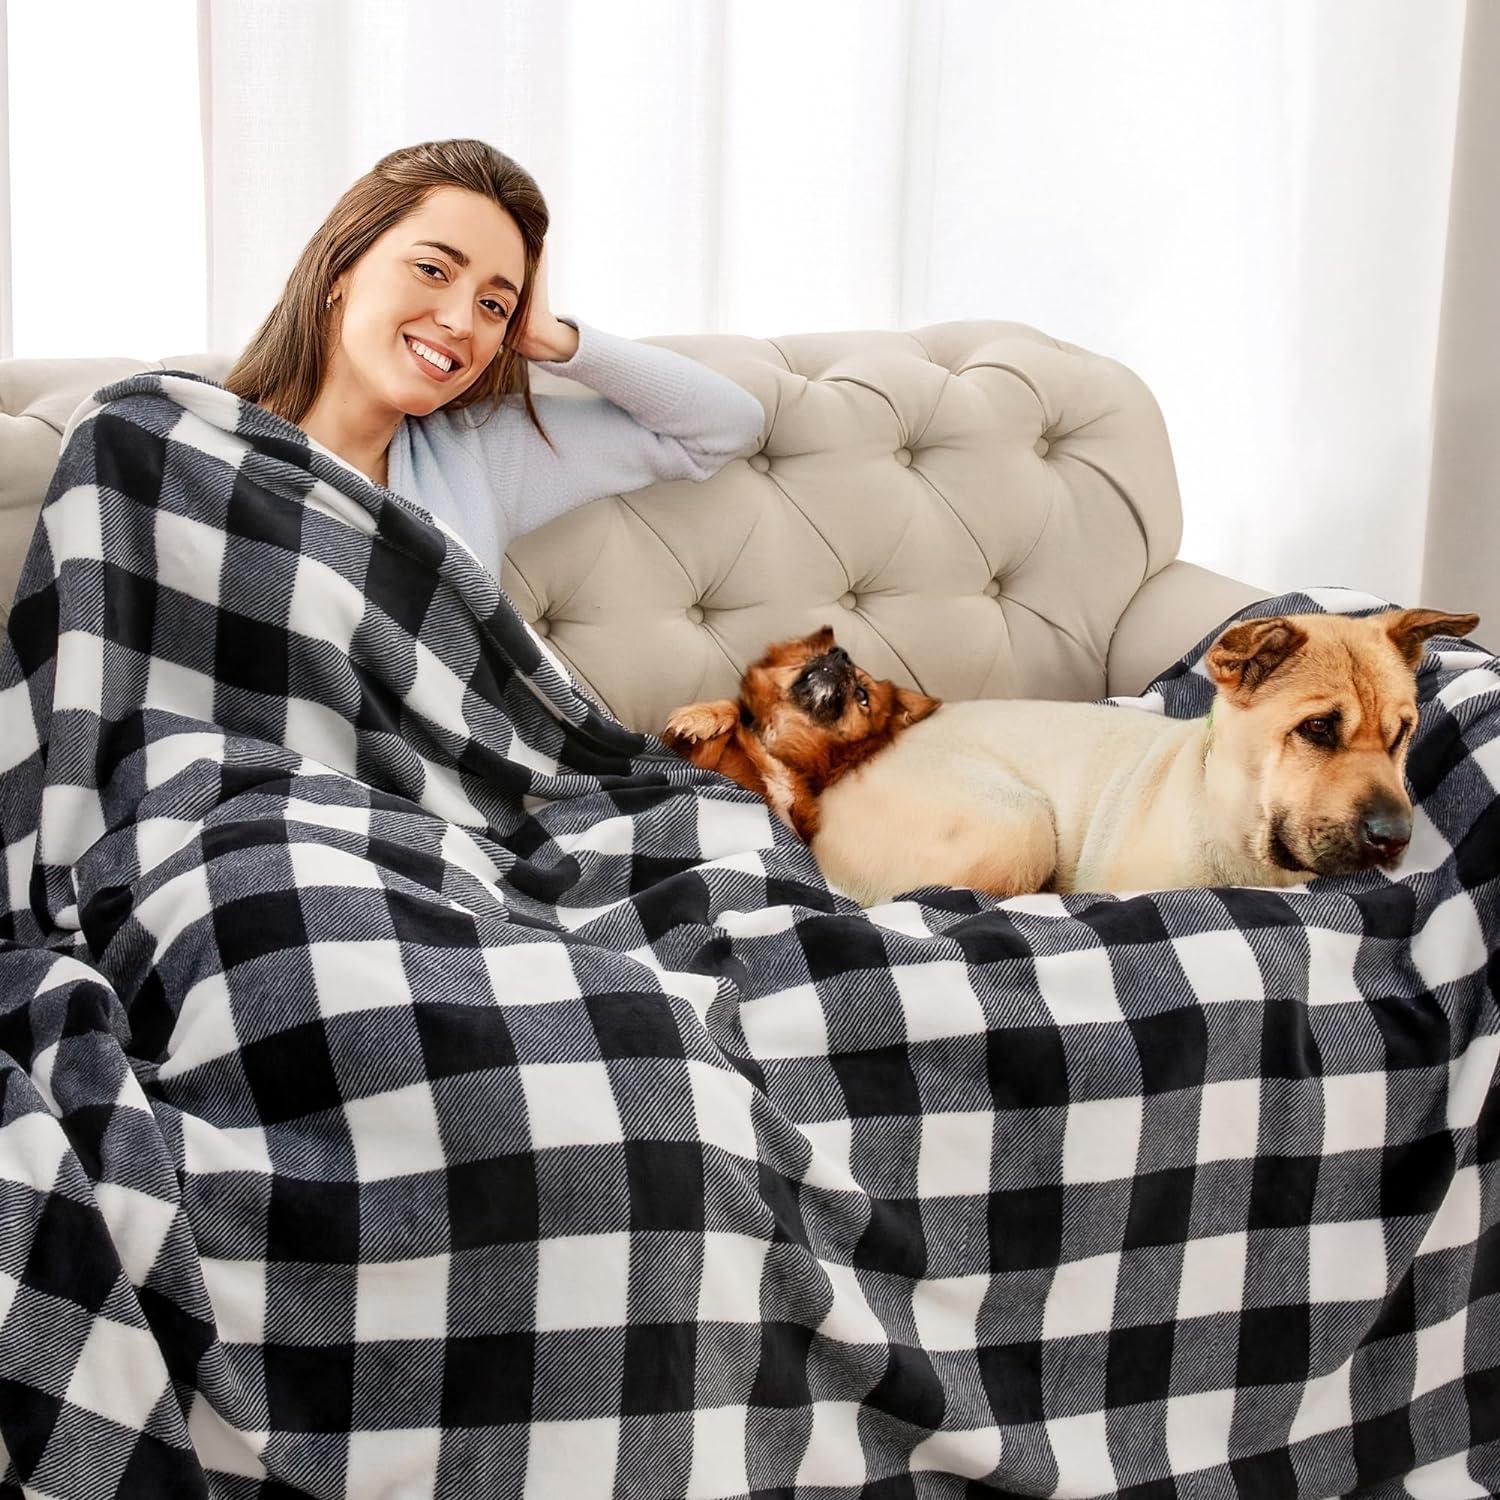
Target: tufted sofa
{"type": "Point", "coordinates": [978, 510]}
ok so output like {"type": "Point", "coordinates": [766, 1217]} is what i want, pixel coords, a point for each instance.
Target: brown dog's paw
{"type": "Point", "coordinates": [702, 721]}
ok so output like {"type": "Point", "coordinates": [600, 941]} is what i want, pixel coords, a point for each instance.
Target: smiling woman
{"type": "Point", "coordinates": [424, 294]}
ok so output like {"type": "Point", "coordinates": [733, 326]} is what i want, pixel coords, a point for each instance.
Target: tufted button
{"type": "Point", "coordinates": [848, 600]}
{"type": "Point", "coordinates": [542, 627]}
{"type": "Point", "coordinates": [903, 457]}
{"type": "Point", "coordinates": [992, 588]}
{"type": "Point", "coordinates": [759, 462]}
{"type": "Point", "coordinates": [1041, 445]}
{"type": "Point", "coordinates": [695, 613]}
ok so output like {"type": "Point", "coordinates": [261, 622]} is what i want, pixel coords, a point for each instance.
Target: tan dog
{"type": "Point", "coordinates": [1297, 771]}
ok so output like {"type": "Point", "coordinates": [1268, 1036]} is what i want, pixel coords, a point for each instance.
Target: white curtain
{"type": "Point", "coordinates": [1251, 203]}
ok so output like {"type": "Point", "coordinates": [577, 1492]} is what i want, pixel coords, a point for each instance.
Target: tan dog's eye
{"type": "Point", "coordinates": [1321, 731]}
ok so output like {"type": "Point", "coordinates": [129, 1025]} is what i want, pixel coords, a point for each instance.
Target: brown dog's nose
{"type": "Point", "coordinates": [1385, 834]}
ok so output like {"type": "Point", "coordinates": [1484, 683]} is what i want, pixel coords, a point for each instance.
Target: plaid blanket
{"type": "Point", "coordinates": [412, 1082]}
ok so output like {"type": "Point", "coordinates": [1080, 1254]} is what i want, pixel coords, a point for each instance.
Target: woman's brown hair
{"type": "Point", "coordinates": [283, 366]}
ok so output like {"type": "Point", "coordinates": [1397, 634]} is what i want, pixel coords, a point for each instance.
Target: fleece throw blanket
{"type": "Point", "coordinates": [413, 1083]}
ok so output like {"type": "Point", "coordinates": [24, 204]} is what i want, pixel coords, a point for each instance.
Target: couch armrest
{"type": "Point", "coordinates": [1168, 615]}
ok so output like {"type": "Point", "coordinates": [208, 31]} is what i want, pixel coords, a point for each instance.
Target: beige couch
{"type": "Point", "coordinates": [977, 509]}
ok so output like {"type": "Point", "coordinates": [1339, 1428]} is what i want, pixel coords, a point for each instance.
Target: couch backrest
{"type": "Point", "coordinates": [970, 505]}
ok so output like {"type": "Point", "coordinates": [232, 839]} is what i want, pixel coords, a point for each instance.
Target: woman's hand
{"type": "Point", "coordinates": [544, 336]}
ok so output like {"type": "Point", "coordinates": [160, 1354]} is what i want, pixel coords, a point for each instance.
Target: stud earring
{"type": "Point", "coordinates": [328, 300]}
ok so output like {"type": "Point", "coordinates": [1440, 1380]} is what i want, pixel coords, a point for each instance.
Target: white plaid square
{"type": "Point", "coordinates": [970, 1454]}
{"type": "Point", "coordinates": [73, 525]}
{"type": "Point", "coordinates": [954, 1157]}
{"type": "Point", "coordinates": [72, 822]}
{"type": "Point", "coordinates": [175, 905]}
{"type": "Point", "coordinates": [1456, 1222]}
{"type": "Point", "coordinates": [721, 1105]}
{"type": "Point", "coordinates": [1447, 1479]}
{"type": "Point", "coordinates": [324, 606]}
{"type": "Point", "coordinates": [1346, 1262]}
{"type": "Point", "coordinates": [583, 1281]}
{"type": "Point", "coordinates": [402, 1299]}
{"type": "Point", "coordinates": [1229, 1120]}
{"type": "Point", "coordinates": [1440, 1353]}
{"type": "Point", "coordinates": [1213, 1275]}
{"type": "Point", "coordinates": [1326, 1405]}
{"type": "Point", "coordinates": [436, 692]}
{"type": "Point", "coordinates": [729, 828]}
{"type": "Point", "coordinates": [1080, 1445]}
{"type": "Point", "coordinates": [401, 1463]}
{"type": "Point", "coordinates": [189, 555]}
{"type": "Point", "coordinates": [119, 1373]}
{"type": "Point", "coordinates": [138, 1224]}
{"type": "Point", "coordinates": [946, 1310]}
{"type": "Point", "coordinates": [1198, 1430]}
{"type": "Point", "coordinates": [320, 734]}
{"type": "Point", "coordinates": [17, 727]}
{"type": "Point", "coordinates": [181, 690]}
{"type": "Point", "coordinates": [395, 1133]}
{"type": "Point", "coordinates": [1220, 966]}
{"type": "Point", "coordinates": [1353, 1112]}
{"type": "Point", "coordinates": [223, 1448]}
{"type": "Point", "coordinates": [576, 1459]}
{"type": "Point", "coordinates": [1081, 1298]}
{"type": "Point", "coordinates": [531, 973]}
{"type": "Point", "coordinates": [834, 1454]}
{"type": "Point", "coordinates": [1331, 957]}
{"type": "Point", "coordinates": [352, 977]}
{"type": "Point", "coordinates": [31, 1147]}
{"type": "Point", "coordinates": [1450, 944]}
{"type": "Point", "coordinates": [570, 1104]}
{"type": "Point", "coordinates": [938, 1000]}
{"type": "Point", "coordinates": [1469, 1079]}
{"type": "Point", "coordinates": [237, 1289]}
{"type": "Point", "coordinates": [729, 1288]}
{"type": "Point", "coordinates": [216, 1148]}
{"type": "Point", "coordinates": [788, 1023]}
{"type": "Point", "coordinates": [830, 1164]}
{"type": "Point", "coordinates": [205, 1027]}
{"type": "Point", "coordinates": [1078, 987]}
{"type": "Point", "coordinates": [718, 1453]}
{"type": "Point", "coordinates": [1101, 1139]}
{"type": "Point", "coordinates": [314, 864]}
{"type": "Point", "coordinates": [170, 755]}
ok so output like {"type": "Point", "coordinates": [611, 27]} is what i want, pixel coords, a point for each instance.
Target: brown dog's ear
{"type": "Point", "coordinates": [702, 731]}
{"type": "Point", "coordinates": [912, 706]}
{"type": "Point", "coordinates": [1246, 654]}
{"type": "Point", "coordinates": [1408, 628]}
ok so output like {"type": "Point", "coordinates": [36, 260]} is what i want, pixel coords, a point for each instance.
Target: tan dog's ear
{"type": "Point", "coordinates": [1246, 654]}
{"type": "Point", "coordinates": [911, 706]}
{"type": "Point", "coordinates": [701, 732]}
{"type": "Point", "coordinates": [1408, 628]}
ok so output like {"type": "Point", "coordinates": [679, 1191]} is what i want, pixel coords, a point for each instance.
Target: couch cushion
{"type": "Point", "coordinates": [970, 505]}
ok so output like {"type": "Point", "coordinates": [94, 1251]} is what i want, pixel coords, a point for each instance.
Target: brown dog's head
{"type": "Point", "coordinates": [816, 711]}
{"type": "Point", "coordinates": [1312, 723]}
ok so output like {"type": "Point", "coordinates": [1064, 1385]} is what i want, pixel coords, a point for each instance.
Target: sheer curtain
{"type": "Point", "coordinates": [1253, 204]}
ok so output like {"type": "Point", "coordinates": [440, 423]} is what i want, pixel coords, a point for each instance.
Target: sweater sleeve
{"type": "Point", "coordinates": [654, 415]}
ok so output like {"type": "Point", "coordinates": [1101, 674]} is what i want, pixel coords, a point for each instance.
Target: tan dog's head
{"type": "Point", "coordinates": [818, 712]}
{"type": "Point", "coordinates": [1311, 727]}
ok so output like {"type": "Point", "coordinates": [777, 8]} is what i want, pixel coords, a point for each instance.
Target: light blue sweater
{"type": "Point", "coordinates": [656, 415]}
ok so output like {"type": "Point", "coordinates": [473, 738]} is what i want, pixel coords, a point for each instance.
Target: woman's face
{"type": "Point", "coordinates": [446, 277]}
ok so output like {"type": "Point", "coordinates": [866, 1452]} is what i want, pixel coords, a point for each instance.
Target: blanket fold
{"type": "Point", "coordinates": [414, 1082]}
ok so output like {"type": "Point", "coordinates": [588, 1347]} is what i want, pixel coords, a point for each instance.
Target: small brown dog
{"type": "Point", "coordinates": [1297, 771]}
{"type": "Point", "coordinates": [806, 715]}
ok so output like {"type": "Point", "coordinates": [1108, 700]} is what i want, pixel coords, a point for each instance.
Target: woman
{"type": "Point", "coordinates": [404, 332]}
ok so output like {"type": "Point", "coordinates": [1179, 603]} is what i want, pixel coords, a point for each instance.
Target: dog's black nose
{"type": "Point", "coordinates": [839, 654]}
{"type": "Point", "coordinates": [1385, 834]}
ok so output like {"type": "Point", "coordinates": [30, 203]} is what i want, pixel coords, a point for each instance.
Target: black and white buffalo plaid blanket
{"type": "Point", "coordinates": [415, 1083]}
